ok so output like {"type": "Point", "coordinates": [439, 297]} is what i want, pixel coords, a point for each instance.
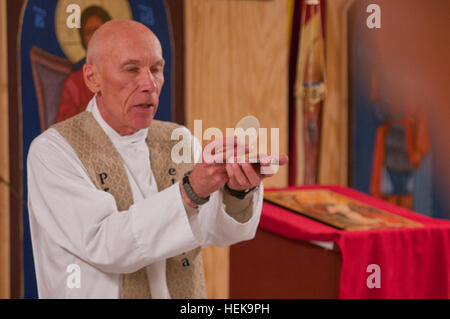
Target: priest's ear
{"type": "Point", "coordinates": [91, 77]}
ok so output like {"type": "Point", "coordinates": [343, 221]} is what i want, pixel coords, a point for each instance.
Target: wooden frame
{"type": "Point", "coordinates": [15, 10]}
{"type": "Point", "coordinates": [4, 159]}
{"type": "Point", "coordinates": [175, 16]}
{"type": "Point", "coordinates": [334, 148]}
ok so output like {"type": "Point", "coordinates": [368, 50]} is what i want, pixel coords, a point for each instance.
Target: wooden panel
{"type": "Point", "coordinates": [272, 266]}
{"type": "Point", "coordinates": [15, 10]}
{"type": "Point", "coordinates": [236, 64]}
{"type": "Point", "coordinates": [4, 159]}
{"type": "Point", "coordinates": [217, 269]}
{"type": "Point", "coordinates": [175, 14]}
{"type": "Point", "coordinates": [334, 149]}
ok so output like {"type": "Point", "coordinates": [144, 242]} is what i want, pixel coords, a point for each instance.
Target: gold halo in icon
{"type": "Point", "coordinates": [69, 39]}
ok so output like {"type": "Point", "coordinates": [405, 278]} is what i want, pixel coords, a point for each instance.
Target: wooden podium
{"type": "Point", "coordinates": [272, 266]}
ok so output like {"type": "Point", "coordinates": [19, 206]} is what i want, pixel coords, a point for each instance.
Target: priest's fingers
{"type": "Point", "coordinates": [269, 164]}
{"type": "Point", "coordinates": [267, 160]}
{"type": "Point", "coordinates": [251, 174]}
{"type": "Point", "coordinates": [220, 150]}
{"type": "Point", "coordinates": [264, 159]}
{"type": "Point", "coordinates": [242, 176]}
{"type": "Point", "coordinates": [206, 179]}
{"type": "Point", "coordinates": [219, 145]}
{"type": "Point", "coordinates": [235, 175]}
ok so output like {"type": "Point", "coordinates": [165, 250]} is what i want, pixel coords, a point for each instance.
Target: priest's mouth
{"type": "Point", "coordinates": [144, 106]}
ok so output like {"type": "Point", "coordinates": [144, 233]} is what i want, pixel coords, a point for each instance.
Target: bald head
{"type": "Point", "coordinates": [125, 69]}
{"type": "Point", "coordinates": [117, 34]}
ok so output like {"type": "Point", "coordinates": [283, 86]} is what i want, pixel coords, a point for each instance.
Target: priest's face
{"type": "Point", "coordinates": [130, 75]}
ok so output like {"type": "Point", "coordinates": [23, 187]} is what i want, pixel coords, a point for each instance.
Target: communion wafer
{"type": "Point", "coordinates": [249, 122]}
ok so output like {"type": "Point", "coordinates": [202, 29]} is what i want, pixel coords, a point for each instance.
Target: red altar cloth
{"type": "Point", "coordinates": [414, 262]}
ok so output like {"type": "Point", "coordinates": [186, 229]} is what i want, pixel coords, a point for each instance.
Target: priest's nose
{"type": "Point", "coordinates": [148, 83]}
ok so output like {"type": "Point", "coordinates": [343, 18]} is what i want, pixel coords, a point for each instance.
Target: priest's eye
{"type": "Point", "coordinates": [156, 70]}
{"type": "Point", "coordinates": [132, 70]}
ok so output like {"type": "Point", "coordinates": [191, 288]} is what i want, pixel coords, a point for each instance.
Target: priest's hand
{"type": "Point", "coordinates": [211, 174]}
{"type": "Point", "coordinates": [244, 176]}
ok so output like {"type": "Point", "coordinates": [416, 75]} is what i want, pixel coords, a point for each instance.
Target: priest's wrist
{"type": "Point", "coordinates": [195, 187]}
{"type": "Point", "coordinates": [238, 194]}
{"type": "Point", "coordinates": [190, 192]}
{"type": "Point", "coordinates": [186, 198]}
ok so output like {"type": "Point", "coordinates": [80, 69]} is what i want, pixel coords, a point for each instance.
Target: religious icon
{"type": "Point", "coordinates": [402, 145]}
{"type": "Point", "coordinates": [336, 210]}
{"type": "Point", "coordinates": [59, 82]}
{"type": "Point", "coordinates": [309, 94]}
{"type": "Point", "coordinates": [390, 147]}
{"type": "Point", "coordinates": [57, 52]}
{"type": "Point", "coordinates": [75, 93]}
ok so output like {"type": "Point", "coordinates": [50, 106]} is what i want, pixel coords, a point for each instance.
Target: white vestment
{"type": "Point", "coordinates": [78, 233]}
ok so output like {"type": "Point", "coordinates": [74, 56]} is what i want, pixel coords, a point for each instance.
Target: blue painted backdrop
{"type": "Point", "coordinates": [38, 28]}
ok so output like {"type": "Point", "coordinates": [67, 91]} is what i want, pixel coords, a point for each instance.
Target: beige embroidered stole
{"type": "Point", "coordinates": [184, 273]}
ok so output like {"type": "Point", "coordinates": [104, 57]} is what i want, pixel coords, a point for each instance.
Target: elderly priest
{"type": "Point", "coordinates": [111, 214]}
